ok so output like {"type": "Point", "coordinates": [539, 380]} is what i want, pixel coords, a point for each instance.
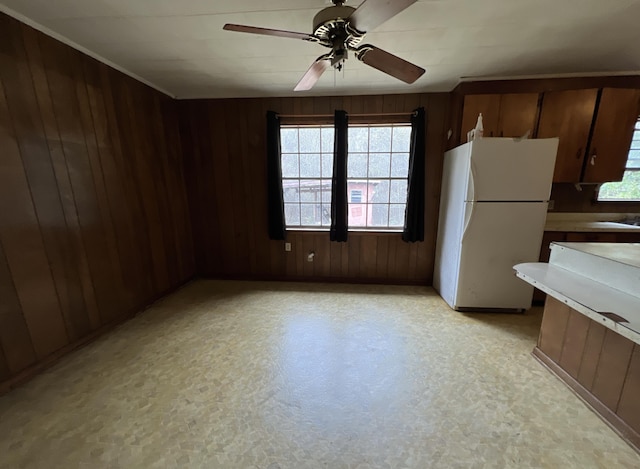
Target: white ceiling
{"type": "Point", "coordinates": [179, 47]}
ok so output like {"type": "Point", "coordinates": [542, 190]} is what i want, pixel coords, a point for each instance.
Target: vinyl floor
{"type": "Point", "coordinates": [265, 375]}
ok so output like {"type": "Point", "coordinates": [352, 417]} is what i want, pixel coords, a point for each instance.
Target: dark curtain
{"type": "Point", "coordinates": [339, 219]}
{"type": "Point", "coordinates": [414, 212]}
{"type": "Point", "coordinates": [275, 200]}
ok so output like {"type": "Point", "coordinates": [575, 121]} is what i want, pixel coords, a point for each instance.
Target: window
{"type": "Point", "coordinates": [307, 167]}
{"type": "Point", "coordinates": [629, 188]}
{"type": "Point", "coordinates": [377, 171]}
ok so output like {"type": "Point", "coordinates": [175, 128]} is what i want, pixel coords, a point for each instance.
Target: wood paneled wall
{"type": "Point", "coordinates": [224, 148]}
{"type": "Point", "coordinates": [94, 222]}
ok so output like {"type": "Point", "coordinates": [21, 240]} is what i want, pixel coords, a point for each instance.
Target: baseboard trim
{"type": "Point", "coordinates": [347, 280]}
{"type": "Point", "coordinates": [618, 425]}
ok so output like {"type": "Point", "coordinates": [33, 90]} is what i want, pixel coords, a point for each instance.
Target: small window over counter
{"type": "Point", "coordinates": [627, 190]}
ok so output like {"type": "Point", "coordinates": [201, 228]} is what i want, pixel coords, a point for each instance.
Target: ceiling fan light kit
{"type": "Point", "coordinates": [342, 28]}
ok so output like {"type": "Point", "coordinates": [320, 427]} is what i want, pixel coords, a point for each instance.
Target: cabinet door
{"type": "Point", "coordinates": [568, 115]}
{"type": "Point", "coordinates": [518, 114]}
{"type": "Point", "coordinates": [616, 116]}
{"type": "Point", "coordinates": [474, 104]}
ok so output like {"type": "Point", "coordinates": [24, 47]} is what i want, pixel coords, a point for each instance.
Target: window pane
{"type": "Point", "coordinates": [292, 214]}
{"type": "Point", "coordinates": [310, 190]}
{"type": "Point", "coordinates": [398, 191]}
{"type": "Point", "coordinates": [634, 159]}
{"type": "Point", "coordinates": [357, 215]}
{"type": "Point", "coordinates": [380, 192]}
{"type": "Point", "coordinates": [327, 139]}
{"type": "Point", "coordinates": [310, 214]}
{"type": "Point", "coordinates": [380, 139]}
{"type": "Point", "coordinates": [288, 140]}
{"type": "Point", "coordinates": [627, 189]}
{"type": "Point", "coordinates": [310, 140]}
{"type": "Point", "coordinates": [400, 165]}
{"type": "Point", "coordinates": [357, 165]}
{"type": "Point", "coordinates": [326, 214]}
{"type": "Point", "coordinates": [401, 139]}
{"type": "Point", "coordinates": [358, 139]}
{"type": "Point", "coordinates": [289, 165]}
{"type": "Point", "coordinates": [326, 190]}
{"type": "Point", "coordinates": [355, 196]}
{"type": "Point", "coordinates": [310, 165]}
{"type": "Point", "coordinates": [380, 215]}
{"type": "Point", "coordinates": [379, 165]}
{"type": "Point", "coordinates": [396, 215]}
{"type": "Point", "coordinates": [327, 165]}
{"type": "Point", "coordinates": [290, 190]}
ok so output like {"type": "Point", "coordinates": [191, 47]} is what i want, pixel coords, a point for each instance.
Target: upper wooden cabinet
{"type": "Point", "coordinates": [595, 129]}
{"type": "Point", "coordinates": [617, 113]}
{"type": "Point", "coordinates": [568, 115]}
{"type": "Point", "coordinates": [503, 115]}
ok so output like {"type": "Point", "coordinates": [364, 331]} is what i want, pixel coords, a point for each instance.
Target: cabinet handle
{"type": "Point", "coordinates": [593, 159]}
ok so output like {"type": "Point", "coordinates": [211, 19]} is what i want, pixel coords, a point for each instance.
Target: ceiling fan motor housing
{"type": "Point", "coordinates": [331, 28]}
{"type": "Point", "coordinates": [324, 18]}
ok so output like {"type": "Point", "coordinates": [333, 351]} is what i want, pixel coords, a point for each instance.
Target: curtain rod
{"type": "Point", "coordinates": [379, 114]}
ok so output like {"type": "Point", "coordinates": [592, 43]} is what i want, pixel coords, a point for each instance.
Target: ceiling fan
{"type": "Point", "coordinates": [342, 28]}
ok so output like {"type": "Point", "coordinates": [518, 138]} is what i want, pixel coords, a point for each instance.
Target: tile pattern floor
{"type": "Point", "coordinates": [280, 375]}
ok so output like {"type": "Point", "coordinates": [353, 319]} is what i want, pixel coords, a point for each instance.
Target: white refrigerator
{"type": "Point", "coordinates": [493, 207]}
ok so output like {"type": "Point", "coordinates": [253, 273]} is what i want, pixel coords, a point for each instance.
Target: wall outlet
{"type": "Point", "coordinates": [287, 247]}
{"type": "Point", "coordinates": [552, 204]}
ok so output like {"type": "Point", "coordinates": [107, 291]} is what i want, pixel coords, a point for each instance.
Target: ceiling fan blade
{"type": "Point", "coordinates": [312, 75]}
{"type": "Point", "coordinates": [372, 13]}
{"type": "Point", "coordinates": [389, 63]}
{"type": "Point", "coordinates": [267, 32]}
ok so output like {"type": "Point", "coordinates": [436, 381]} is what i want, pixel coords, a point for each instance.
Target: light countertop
{"type": "Point", "coordinates": [596, 279]}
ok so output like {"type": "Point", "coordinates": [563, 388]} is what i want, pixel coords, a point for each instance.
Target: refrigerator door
{"type": "Point", "coordinates": [496, 237]}
{"type": "Point", "coordinates": [455, 175]}
{"type": "Point", "coordinates": [509, 169]}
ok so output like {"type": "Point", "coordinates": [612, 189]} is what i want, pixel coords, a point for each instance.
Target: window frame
{"type": "Point", "coordinates": [379, 121]}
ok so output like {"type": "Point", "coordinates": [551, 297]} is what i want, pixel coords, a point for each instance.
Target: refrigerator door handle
{"type": "Point", "coordinates": [471, 191]}
{"type": "Point", "coordinates": [469, 217]}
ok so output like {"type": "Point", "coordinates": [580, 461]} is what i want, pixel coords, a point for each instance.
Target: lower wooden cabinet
{"type": "Point", "coordinates": [599, 364]}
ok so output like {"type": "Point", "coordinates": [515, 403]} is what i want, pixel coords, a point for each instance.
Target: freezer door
{"type": "Point", "coordinates": [506, 169]}
{"type": "Point", "coordinates": [498, 236]}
